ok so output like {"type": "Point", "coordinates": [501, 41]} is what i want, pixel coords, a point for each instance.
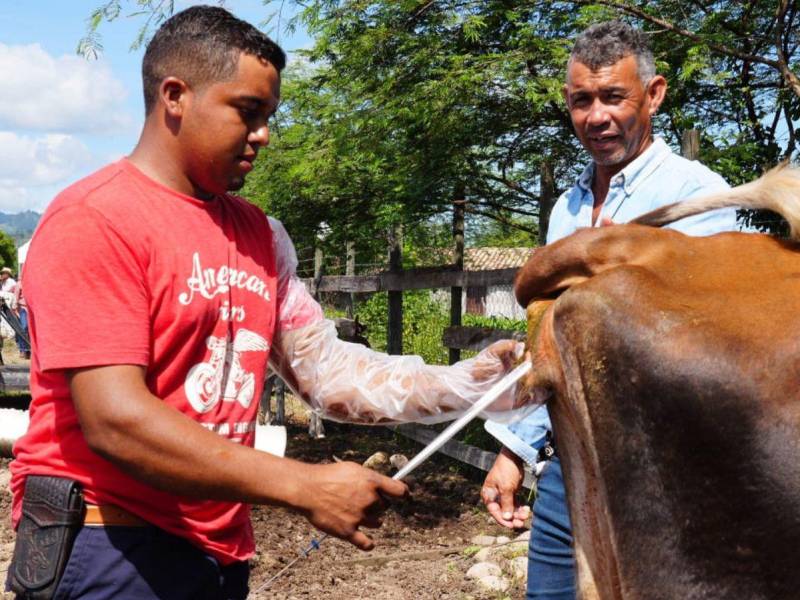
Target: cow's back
{"type": "Point", "coordinates": [677, 418]}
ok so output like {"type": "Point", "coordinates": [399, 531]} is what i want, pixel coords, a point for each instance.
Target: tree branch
{"type": "Point", "coordinates": [500, 219]}
{"type": "Point", "coordinates": [783, 66]}
{"type": "Point", "coordinates": [719, 48]}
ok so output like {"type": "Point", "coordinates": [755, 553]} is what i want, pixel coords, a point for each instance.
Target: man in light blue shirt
{"type": "Point", "coordinates": [612, 93]}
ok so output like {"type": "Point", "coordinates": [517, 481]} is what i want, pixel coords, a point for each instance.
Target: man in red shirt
{"type": "Point", "coordinates": [145, 385]}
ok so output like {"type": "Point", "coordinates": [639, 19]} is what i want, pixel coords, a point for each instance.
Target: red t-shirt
{"type": "Point", "coordinates": [184, 287]}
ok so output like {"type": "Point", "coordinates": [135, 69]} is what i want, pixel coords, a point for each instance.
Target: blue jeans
{"type": "Point", "coordinates": [23, 320]}
{"type": "Point", "coordinates": [551, 559]}
{"type": "Point", "coordinates": [145, 563]}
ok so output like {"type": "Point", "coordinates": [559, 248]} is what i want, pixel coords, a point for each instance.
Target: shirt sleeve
{"type": "Point", "coordinates": [86, 290]}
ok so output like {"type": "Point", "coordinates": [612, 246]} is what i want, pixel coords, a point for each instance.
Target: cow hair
{"type": "Point", "coordinates": [777, 190]}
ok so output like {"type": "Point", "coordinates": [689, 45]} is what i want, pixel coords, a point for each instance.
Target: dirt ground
{"type": "Point", "coordinates": [427, 537]}
{"type": "Point", "coordinates": [11, 354]}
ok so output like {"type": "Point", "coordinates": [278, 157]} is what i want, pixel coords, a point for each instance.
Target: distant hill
{"type": "Point", "coordinates": [19, 226]}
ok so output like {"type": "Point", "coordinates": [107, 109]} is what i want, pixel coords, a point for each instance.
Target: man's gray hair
{"type": "Point", "coordinates": [606, 43]}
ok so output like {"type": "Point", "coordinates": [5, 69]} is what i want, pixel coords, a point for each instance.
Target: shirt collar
{"type": "Point", "coordinates": [635, 172]}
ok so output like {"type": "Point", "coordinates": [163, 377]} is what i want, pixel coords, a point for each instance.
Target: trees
{"type": "Point", "coordinates": [8, 252]}
{"type": "Point", "coordinates": [436, 102]}
{"type": "Point", "coordinates": [403, 106]}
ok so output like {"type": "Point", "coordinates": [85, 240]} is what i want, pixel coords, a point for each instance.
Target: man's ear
{"type": "Point", "coordinates": [656, 90]}
{"type": "Point", "coordinates": [565, 94]}
{"type": "Point", "coordinates": [172, 93]}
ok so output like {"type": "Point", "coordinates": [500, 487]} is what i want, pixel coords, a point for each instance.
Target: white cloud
{"type": "Point", "coordinates": [17, 199]}
{"type": "Point", "coordinates": [31, 169]}
{"type": "Point", "coordinates": [66, 94]}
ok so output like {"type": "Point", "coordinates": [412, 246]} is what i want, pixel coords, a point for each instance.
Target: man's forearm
{"type": "Point", "coordinates": [123, 422]}
{"type": "Point", "coordinates": [349, 382]}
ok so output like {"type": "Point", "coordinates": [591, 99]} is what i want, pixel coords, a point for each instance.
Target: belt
{"type": "Point", "coordinates": [109, 515]}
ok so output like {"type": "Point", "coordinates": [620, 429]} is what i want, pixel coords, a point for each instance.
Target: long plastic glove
{"type": "Point", "coordinates": [349, 382]}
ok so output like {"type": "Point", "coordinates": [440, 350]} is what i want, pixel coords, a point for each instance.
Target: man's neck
{"type": "Point", "coordinates": [154, 157]}
{"type": "Point", "coordinates": [601, 179]}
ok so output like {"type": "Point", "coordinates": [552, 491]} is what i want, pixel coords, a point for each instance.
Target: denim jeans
{"type": "Point", "coordinates": [145, 563]}
{"type": "Point", "coordinates": [23, 320]}
{"type": "Point", "coordinates": [551, 559]}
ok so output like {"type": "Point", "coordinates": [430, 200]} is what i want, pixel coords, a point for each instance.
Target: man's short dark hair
{"type": "Point", "coordinates": [200, 45]}
{"type": "Point", "coordinates": [606, 43]}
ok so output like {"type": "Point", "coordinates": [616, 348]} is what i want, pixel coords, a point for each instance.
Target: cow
{"type": "Point", "coordinates": [672, 366]}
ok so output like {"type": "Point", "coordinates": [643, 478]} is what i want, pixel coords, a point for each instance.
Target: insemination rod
{"type": "Point", "coordinates": [493, 394]}
{"type": "Point", "coordinates": [439, 441]}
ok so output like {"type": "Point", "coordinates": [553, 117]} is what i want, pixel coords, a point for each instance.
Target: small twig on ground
{"type": "Point", "coordinates": [377, 561]}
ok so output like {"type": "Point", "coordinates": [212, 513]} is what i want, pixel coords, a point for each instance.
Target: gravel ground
{"type": "Point", "coordinates": [423, 550]}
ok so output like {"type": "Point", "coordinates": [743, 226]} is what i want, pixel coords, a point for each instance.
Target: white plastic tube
{"type": "Point", "coordinates": [496, 390]}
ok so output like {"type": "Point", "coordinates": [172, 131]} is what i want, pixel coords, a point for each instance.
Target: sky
{"type": "Point", "coordinates": [63, 116]}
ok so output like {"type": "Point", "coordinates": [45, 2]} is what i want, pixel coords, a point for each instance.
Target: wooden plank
{"type": "Point", "coordinates": [15, 378]}
{"type": "Point", "coordinates": [490, 277]}
{"type": "Point", "coordinates": [481, 459]}
{"type": "Point", "coordinates": [343, 283]}
{"type": "Point", "coordinates": [477, 338]}
{"type": "Point", "coordinates": [547, 198]}
{"type": "Point", "coordinates": [350, 271]}
{"type": "Point", "coordinates": [456, 292]}
{"type": "Point", "coordinates": [412, 279]}
{"type": "Point", "coordinates": [394, 331]}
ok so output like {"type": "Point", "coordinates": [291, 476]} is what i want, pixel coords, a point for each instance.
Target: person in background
{"type": "Point", "coordinates": [7, 281]}
{"type": "Point", "coordinates": [612, 92]}
{"type": "Point", "coordinates": [22, 314]}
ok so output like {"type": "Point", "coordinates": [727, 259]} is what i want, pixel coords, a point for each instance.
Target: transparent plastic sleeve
{"type": "Point", "coordinates": [349, 382]}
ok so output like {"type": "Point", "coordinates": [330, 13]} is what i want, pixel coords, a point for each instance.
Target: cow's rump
{"type": "Point", "coordinates": [675, 368]}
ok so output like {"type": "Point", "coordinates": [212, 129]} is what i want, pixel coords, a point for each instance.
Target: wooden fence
{"type": "Point", "coordinates": [456, 337]}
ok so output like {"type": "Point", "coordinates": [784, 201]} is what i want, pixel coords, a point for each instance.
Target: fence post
{"type": "Point", "coordinates": [690, 144]}
{"type": "Point", "coordinates": [547, 192]}
{"type": "Point", "coordinates": [458, 262]}
{"type": "Point", "coordinates": [280, 402]}
{"type": "Point", "coordinates": [318, 257]}
{"type": "Point", "coordinates": [394, 341]}
{"type": "Point", "coordinates": [315, 427]}
{"type": "Point", "coordinates": [265, 405]}
{"type": "Point", "coordinates": [350, 270]}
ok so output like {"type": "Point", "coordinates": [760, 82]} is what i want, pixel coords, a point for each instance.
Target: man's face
{"type": "Point", "coordinates": [611, 109]}
{"type": "Point", "coordinates": [224, 125]}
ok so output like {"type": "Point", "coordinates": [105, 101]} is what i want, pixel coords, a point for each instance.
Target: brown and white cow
{"type": "Point", "coordinates": [674, 367]}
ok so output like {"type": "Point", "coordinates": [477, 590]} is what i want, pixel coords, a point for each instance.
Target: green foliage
{"type": "Point", "coordinates": [503, 235]}
{"type": "Point", "coordinates": [406, 108]}
{"type": "Point", "coordinates": [331, 312]}
{"type": "Point", "coordinates": [474, 434]}
{"type": "Point", "coordinates": [471, 551]}
{"type": "Point", "coordinates": [494, 322]}
{"type": "Point", "coordinates": [8, 252]}
{"type": "Point", "coordinates": [424, 321]}
{"type": "Point", "coordinates": [403, 106]}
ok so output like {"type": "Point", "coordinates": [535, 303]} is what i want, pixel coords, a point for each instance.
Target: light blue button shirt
{"type": "Point", "coordinates": [657, 177]}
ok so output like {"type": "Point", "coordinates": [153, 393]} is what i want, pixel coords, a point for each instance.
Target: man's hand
{"type": "Point", "coordinates": [497, 359]}
{"type": "Point", "coordinates": [124, 423]}
{"type": "Point", "coordinates": [342, 497]}
{"type": "Point", "coordinates": [499, 491]}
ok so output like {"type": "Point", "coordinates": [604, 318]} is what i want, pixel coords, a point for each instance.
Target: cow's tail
{"type": "Point", "coordinates": [777, 190]}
